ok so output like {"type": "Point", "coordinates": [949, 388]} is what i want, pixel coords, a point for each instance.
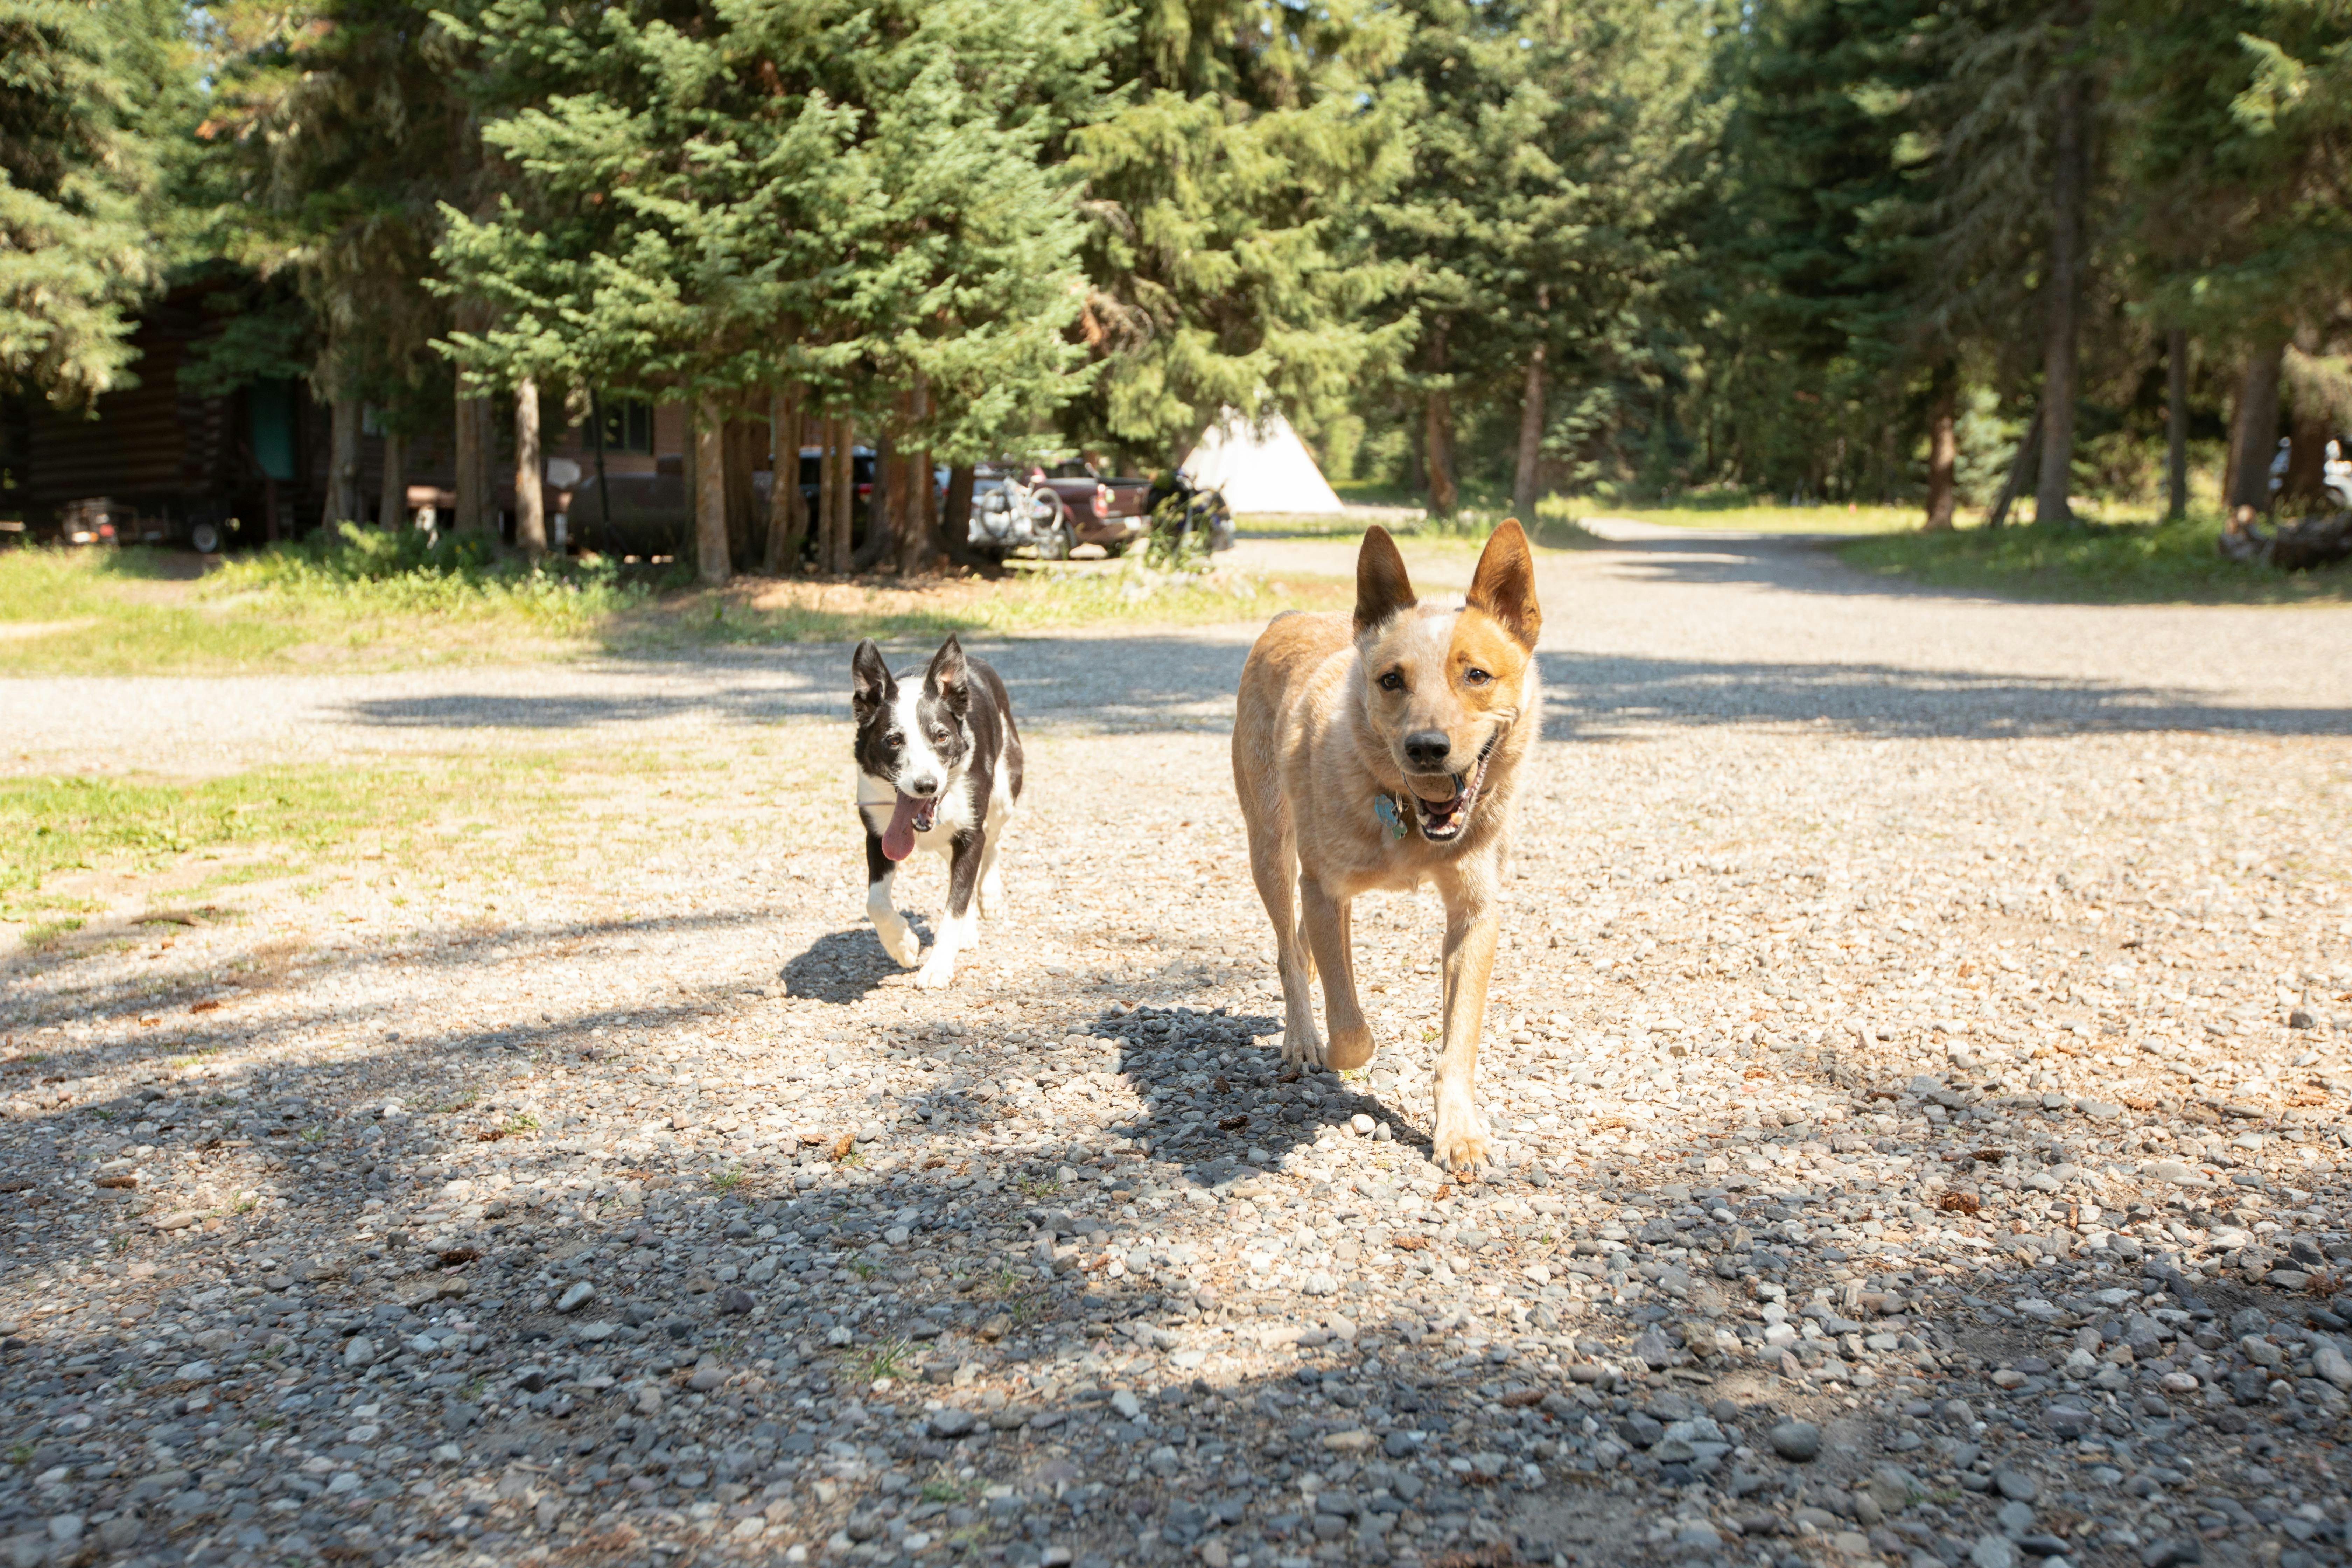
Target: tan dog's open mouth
{"type": "Point", "coordinates": [1444, 819]}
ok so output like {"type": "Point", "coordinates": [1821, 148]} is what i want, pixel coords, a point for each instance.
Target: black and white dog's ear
{"type": "Point", "coordinates": [950, 679]}
{"type": "Point", "coordinates": [870, 686]}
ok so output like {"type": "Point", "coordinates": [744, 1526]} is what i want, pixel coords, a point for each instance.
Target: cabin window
{"type": "Point", "coordinates": [628, 426]}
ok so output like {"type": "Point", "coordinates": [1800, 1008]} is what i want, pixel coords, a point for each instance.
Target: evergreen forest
{"type": "Point", "coordinates": [1988, 258]}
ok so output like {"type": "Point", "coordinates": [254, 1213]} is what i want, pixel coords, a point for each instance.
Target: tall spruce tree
{"type": "Point", "coordinates": [848, 201]}
{"type": "Point", "coordinates": [339, 136]}
{"type": "Point", "coordinates": [1542, 218]}
{"type": "Point", "coordinates": [83, 89]}
{"type": "Point", "coordinates": [1222, 200]}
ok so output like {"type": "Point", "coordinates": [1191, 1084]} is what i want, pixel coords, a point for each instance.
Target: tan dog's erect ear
{"type": "Point", "coordinates": [1504, 585]}
{"type": "Point", "coordinates": [1382, 587]}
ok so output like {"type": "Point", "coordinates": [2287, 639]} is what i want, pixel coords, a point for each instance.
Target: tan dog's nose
{"type": "Point", "coordinates": [1428, 749]}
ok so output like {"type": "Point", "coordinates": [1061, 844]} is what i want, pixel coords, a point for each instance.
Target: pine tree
{"type": "Point", "coordinates": [2238, 114]}
{"type": "Point", "coordinates": [1221, 197]}
{"type": "Point", "coordinates": [81, 90]}
{"type": "Point", "coordinates": [840, 201]}
{"type": "Point", "coordinates": [1543, 216]}
{"type": "Point", "coordinates": [336, 135]}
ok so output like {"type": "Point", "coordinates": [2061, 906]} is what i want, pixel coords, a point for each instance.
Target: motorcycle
{"type": "Point", "coordinates": [1180, 508]}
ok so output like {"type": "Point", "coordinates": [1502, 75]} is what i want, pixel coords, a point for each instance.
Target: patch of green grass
{"type": "Point", "coordinates": [1033, 597]}
{"type": "Point", "coordinates": [392, 599]}
{"type": "Point", "coordinates": [2151, 563]}
{"type": "Point", "coordinates": [52, 825]}
{"type": "Point", "coordinates": [945, 1487]}
{"type": "Point", "coordinates": [359, 590]}
{"type": "Point", "coordinates": [520, 1121]}
{"type": "Point", "coordinates": [1740, 511]}
{"type": "Point", "coordinates": [728, 1180]}
{"type": "Point", "coordinates": [884, 1358]}
{"type": "Point", "coordinates": [278, 820]}
{"type": "Point", "coordinates": [44, 934]}
{"type": "Point", "coordinates": [1039, 1186]}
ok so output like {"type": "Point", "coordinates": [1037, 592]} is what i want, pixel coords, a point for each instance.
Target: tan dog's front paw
{"type": "Point", "coordinates": [1459, 1144]}
{"type": "Point", "coordinates": [1302, 1050]}
{"type": "Point", "coordinates": [1349, 1048]}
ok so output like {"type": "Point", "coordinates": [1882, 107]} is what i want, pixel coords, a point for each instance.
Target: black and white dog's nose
{"type": "Point", "coordinates": [923, 788]}
{"type": "Point", "coordinates": [1428, 749]}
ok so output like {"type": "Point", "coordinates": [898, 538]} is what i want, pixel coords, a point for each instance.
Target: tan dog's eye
{"type": "Point", "coordinates": [1476, 676]}
{"type": "Point", "coordinates": [1393, 681]}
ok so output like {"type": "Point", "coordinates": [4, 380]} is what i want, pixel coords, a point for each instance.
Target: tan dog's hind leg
{"type": "Point", "coordinates": [1325, 920]}
{"type": "Point", "coordinates": [1458, 1140]}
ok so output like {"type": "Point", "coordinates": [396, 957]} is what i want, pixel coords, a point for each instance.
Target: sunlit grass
{"type": "Point", "coordinates": [1034, 597]}
{"type": "Point", "coordinates": [381, 601]}
{"type": "Point", "coordinates": [2144, 563]}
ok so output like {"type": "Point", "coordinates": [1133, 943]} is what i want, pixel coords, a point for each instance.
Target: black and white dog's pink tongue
{"type": "Point", "coordinates": [898, 838]}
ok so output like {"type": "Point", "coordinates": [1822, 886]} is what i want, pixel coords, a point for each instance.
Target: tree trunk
{"type": "Point", "coordinates": [1943, 447]}
{"type": "Point", "coordinates": [823, 522]}
{"type": "Point", "coordinates": [2058, 374]}
{"type": "Point", "coordinates": [1437, 443]}
{"type": "Point", "coordinates": [2175, 423]}
{"type": "Point", "coordinates": [2306, 490]}
{"type": "Point", "coordinates": [921, 552]}
{"type": "Point", "coordinates": [1531, 428]}
{"type": "Point", "coordinates": [743, 440]}
{"type": "Point", "coordinates": [2258, 412]}
{"type": "Point", "coordinates": [467, 516]}
{"type": "Point", "coordinates": [787, 518]}
{"type": "Point", "coordinates": [911, 487]}
{"type": "Point", "coordinates": [844, 496]}
{"type": "Point", "coordinates": [342, 463]}
{"type": "Point", "coordinates": [604, 481]}
{"type": "Point", "coordinates": [881, 544]}
{"type": "Point", "coordinates": [711, 565]}
{"type": "Point", "coordinates": [955, 516]}
{"type": "Point", "coordinates": [2028, 446]}
{"type": "Point", "coordinates": [530, 499]}
{"type": "Point", "coordinates": [392, 500]}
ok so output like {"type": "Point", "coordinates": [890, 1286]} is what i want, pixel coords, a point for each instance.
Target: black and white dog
{"type": "Point", "coordinates": [939, 765]}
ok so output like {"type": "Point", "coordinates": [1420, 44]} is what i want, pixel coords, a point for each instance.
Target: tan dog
{"type": "Point", "coordinates": [1386, 754]}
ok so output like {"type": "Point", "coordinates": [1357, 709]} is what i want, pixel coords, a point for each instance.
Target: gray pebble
{"type": "Point", "coordinates": [1796, 1440]}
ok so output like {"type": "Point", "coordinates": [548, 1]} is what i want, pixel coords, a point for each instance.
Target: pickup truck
{"type": "Point", "coordinates": [1087, 508]}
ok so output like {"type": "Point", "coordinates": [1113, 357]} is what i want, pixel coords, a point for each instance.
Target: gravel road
{"type": "Point", "coordinates": [1921, 1054]}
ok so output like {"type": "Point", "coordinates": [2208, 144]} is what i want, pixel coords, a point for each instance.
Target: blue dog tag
{"type": "Point", "coordinates": [1385, 809]}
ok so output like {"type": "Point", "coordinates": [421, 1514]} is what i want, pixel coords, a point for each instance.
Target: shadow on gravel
{"type": "Point", "coordinates": [1587, 695]}
{"type": "Point", "coordinates": [1131, 681]}
{"type": "Point", "coordinates": [677, 1382]}
{"type": "Point", "coordinates": [909, 1315]}
{"type": "Point", "coordinates": [1145, 685]}
{"type": "Point", "coordinates": [845, 966]}
{"type": "Point", "coordinates": [179, 1030]}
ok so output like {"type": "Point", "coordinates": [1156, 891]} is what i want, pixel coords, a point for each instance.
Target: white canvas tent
{"type": "Point", "coordinates": [1272, 472]}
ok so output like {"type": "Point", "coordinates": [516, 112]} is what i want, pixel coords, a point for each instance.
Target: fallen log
{"type": "Point", "coordinates": [2294, 547]}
